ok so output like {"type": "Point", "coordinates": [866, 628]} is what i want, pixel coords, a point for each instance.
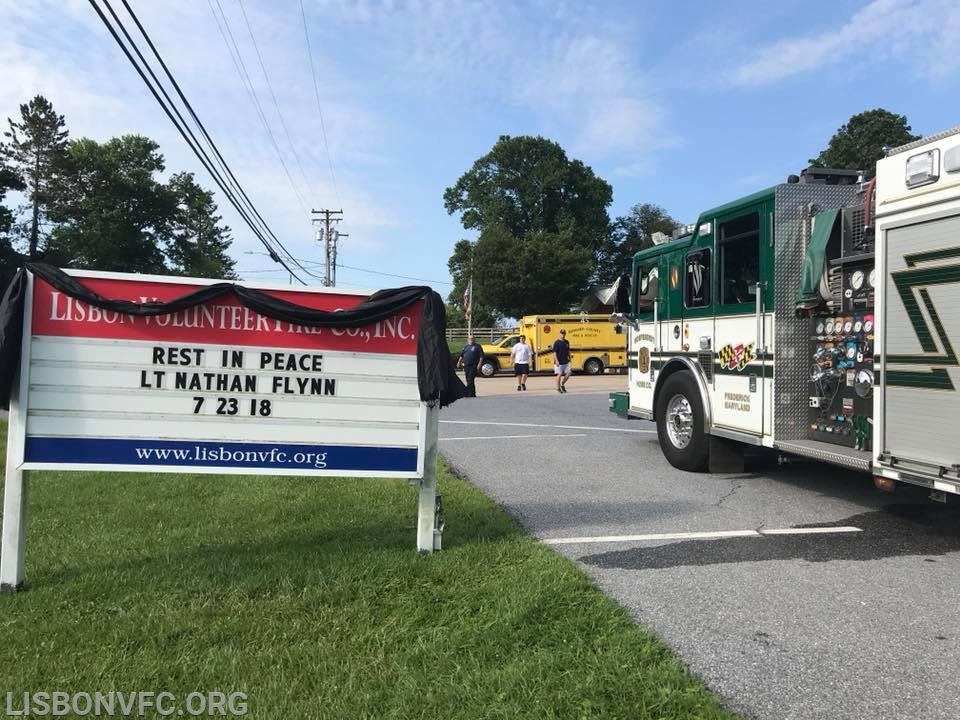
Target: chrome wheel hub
{"type": "Point", "coordinates": [679, 421]}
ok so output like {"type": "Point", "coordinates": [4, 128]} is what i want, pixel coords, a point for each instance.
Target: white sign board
{"type": "Point", "coordinates": [213, 388]}
{"type": "Point", "coordinates": [216, 387]}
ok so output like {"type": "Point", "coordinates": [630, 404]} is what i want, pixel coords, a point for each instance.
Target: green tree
{"type": "Point", "coordinates": [859, 143]}
{"type": "Point", "coordinates": [521, 195]}
{"type": "Point", "coordinates": [629, 234]}
{"type": "Point", "coordinates": [9, 180]}
{"type": "Point", "coordinates": [36, 150]}
{"type": "Point", "coordinates": [113, 214]}
{"type": "Point", "coordinates": [459, 265]}
{"type": "Point", "coordinates": [10, 259]}
{"type": "Point", "coordinates": [547, 272]}
{"type": "Point", "coordinates": [198, 243]}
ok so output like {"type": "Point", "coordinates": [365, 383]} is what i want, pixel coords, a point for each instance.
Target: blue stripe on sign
{"type": "Point", "coordinates": [212, 454]}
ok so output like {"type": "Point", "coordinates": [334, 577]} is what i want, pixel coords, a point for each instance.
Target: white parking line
{"type": "Point", "coordinates": [809, 531]}
{"type": "Point", "coordinates": [698, 535]}
{"type": "Point", "coordinates": [536, 425]}
{"type": "Point", "coordinates": [512, 437]}
{"type": "Point", "coordinates": [578, 393]}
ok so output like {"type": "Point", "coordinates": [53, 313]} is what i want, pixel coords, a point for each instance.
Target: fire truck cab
{"type": "Point", "coordinates": [812, 317]}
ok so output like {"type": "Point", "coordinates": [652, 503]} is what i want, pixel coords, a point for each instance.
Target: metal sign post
{"type": "Point", "coordinates": [429, 529]}
{"type": "Point", "coordinates": [14, 506]}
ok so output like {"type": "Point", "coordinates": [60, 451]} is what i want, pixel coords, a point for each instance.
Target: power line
{"type": "Point", "coordinates": [184, 130]}
{"type": "Point", "coordinates": [199, 123]}
{"type": "Point", "coordinates": [316, 263]}
{"type": "Point", "coordinates": [241, 69]}
{"type": "Point", "coordinates": [283, 124]}
{"type": "Point", "coordinates": [404, 277]}
{"type": "Point", "coordinates": [247, 82]}
{"type": "Point", "coordinates": [316, 93]}
{"type": "Point", "coordinates": [257, 272]}
{"type": "Point", "coordinates": [183, 98]}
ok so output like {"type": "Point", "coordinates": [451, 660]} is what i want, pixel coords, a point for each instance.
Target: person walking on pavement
{"type": "Point", "coordinates": [561, 361]}
{"type": "Point", "coordinates": [521, 354]}
{"type": "Point", "coordinates": [471, 357]}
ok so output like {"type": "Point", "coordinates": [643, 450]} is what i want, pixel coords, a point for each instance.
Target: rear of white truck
{"type": "Point", "coordinates": [917, 406]}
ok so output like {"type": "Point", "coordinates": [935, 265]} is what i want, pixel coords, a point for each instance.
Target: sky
{"type": "Point", "coordinates": [683, 104]}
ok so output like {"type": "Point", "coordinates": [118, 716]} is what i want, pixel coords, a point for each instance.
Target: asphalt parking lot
{"type": "Point", "coordinates": [794, 591]}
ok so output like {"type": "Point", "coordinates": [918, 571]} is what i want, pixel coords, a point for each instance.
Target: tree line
{"type": "Point", "coordinates": [102, 205]}
{"type": "Point", "coordinates": [543, 232]}
{"type": "Point", "coordinates": [544, 235]}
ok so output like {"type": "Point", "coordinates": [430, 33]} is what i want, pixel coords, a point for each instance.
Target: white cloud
{"type": "Point", "coordinates": [588, 84]}
{"type": "Point", "coordinates": [560, 67]}
{"type": "Point", "coordinates": [60, 49]}
{"type": "Point", "coordinates": [564, 63]}
{"type": "Point", "coordinates": [922, 32]}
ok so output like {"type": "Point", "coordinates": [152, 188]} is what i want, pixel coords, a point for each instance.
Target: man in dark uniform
{"type": "Point", "coordinates": [471, 358]}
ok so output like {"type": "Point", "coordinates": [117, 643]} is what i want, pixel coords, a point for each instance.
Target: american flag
{"type": "Point", "coordinates": [468, 299]}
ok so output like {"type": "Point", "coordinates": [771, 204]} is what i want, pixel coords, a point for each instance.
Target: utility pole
{"type": "Point", "coordinates": [329, 235]}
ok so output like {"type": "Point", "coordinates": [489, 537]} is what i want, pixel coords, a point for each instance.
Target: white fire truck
{"type": "Point", "coordinates": [816, 317]}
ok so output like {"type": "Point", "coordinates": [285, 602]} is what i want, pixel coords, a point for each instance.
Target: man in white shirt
{"type": "Point", "coordinates": [521, 354]}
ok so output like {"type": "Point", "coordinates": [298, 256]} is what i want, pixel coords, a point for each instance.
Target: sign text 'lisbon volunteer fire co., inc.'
{"type": "Point", "coordinates": [218, 387]}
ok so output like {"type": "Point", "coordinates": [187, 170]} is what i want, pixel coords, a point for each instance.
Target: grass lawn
{"type": "Point", "coordinates": [307, 596]}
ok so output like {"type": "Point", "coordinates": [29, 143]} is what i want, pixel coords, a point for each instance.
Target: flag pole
{"type": "Point", "coordinates": [468, 306]}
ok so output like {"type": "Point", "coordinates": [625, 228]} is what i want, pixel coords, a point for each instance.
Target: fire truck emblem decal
{"type": "Point", "coordinates": [643, 360]}
{"type": "Point", "coordinates": [913, 284]}
{"type": "Point", "coordinates": [736, 357]}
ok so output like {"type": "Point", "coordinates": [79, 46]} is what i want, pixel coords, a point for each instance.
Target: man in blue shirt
{"type": "Point", "coordinates": [471, 358]}
{"type": "Point", "coordinates": [561, 361]}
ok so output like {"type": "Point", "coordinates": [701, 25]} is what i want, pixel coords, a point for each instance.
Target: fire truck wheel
{"type": "Point", "coordinates": [680, 424]}
{"type": "Point", "coordinates": [488, 368]}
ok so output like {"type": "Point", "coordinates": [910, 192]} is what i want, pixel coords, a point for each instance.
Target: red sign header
{"type": "Point", "coordinates": [223, 321]}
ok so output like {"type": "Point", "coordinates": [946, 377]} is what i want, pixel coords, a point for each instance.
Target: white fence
{"type": "Point", "coordinates": [480, 335]}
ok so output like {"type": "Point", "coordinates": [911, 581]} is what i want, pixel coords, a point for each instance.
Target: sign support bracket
{"type": "Point", "coordinates": [429, 530]}
{"type": "Point", "coordinates": [14, 502]}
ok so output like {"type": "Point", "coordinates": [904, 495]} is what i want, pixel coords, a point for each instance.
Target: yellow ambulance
{"type": "Point", "coordinates": [595, 344]}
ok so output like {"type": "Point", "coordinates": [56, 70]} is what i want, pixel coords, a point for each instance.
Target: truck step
{"type": "Point", "coordinates": [828, 452]}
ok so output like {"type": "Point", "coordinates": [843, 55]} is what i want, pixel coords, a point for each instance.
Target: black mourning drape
{"type": "Point", "coordinates": [436, 374]}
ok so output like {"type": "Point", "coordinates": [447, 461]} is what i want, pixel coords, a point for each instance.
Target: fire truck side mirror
{"type": "Point", "coordinates": [621, 303]}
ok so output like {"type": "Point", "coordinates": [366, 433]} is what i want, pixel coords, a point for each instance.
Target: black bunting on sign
{"type": "Point", "coordinates": [436, 375]}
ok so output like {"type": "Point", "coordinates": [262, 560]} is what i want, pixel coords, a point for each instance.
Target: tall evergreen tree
{"type": "Point", "coordinates": [113, 213]}
{"type": "Point", "coordinates": [198, 243]}
{"type": "Point", "coordinates": [36, 151]}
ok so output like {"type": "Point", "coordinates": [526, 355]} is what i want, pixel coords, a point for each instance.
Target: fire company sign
{"type": "Point", "coordinates": [217, 387]}
{"type": "Point", "coordinates": [213, 388]}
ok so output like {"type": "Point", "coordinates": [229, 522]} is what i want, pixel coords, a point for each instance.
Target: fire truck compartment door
{"type": "Point", "coordinates": [920, 376]}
